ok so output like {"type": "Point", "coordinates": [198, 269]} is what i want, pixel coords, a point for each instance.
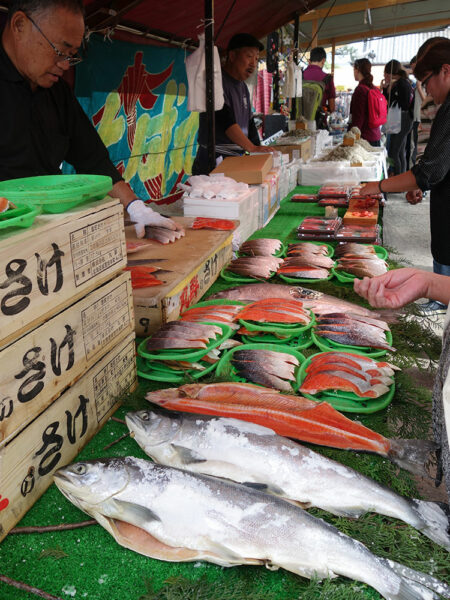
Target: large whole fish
{"type": "Point", "coordinates": [314, 300]}
{"type": "Point", "coordinates": [255, 455]}
{"type": "Point", "coordinates": [292, 416]}
{"type": "Point", "coordinates": [176, 516]}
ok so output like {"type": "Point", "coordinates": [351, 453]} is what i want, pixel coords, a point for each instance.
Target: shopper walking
{"type": "Point", "coordinates": [359, 105]}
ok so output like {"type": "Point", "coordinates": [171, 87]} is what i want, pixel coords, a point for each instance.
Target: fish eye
{"type": "Point", "coordinates": [80, 469]}
{"type": "Point", "coordinates": [144, 415]}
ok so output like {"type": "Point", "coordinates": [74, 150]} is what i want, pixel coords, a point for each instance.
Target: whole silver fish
{"type": "Point", "coordinates": [174, 515]}
{"type": "Point", "coordinates": [255, 455]}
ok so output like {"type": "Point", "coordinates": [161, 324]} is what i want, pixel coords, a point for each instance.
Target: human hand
{"type": "Point", "coordinates": [414, 196]}
{"type": "Point", "coordinates": [370, 188]}
{"type": "Point", "coordinates": [263, 149]}
{"type": "Point", "coordinates": [394, 288]}
{"type": "Point", "coordinates": [143, 215]}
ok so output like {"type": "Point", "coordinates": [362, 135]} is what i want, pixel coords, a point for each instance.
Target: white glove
{"type": "Point", "coordinates": [143, 215]}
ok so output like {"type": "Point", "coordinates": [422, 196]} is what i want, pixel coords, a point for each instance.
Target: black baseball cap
{"type": "Point", "coordinates": [244, 40]}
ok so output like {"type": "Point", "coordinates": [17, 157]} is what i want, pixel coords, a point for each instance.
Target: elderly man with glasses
{"type": "Point", "coordinates": [41, 121]}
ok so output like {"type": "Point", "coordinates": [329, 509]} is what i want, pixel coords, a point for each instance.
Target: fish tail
{"type": "Point", "coordinates": [416, 585]}
{"type": "Point", "coordinates": [415, 456]}
{"type": "Point", "coordinates": [436, 521]}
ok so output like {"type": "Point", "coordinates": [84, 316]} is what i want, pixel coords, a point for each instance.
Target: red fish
{"type": "Point", "coordinates": [209, 223]}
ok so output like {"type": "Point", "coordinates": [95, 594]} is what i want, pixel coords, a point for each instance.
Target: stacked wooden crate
{"type": "Point", "coordinates": [66, 344]}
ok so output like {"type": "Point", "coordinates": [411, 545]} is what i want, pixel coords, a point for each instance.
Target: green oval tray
{"type": "Point", "coordinates": [281, 328]}
{"type": "Point", "coordinates": [329, 246]}
{"type": "Point", "coordinates": [224, 368]}
{"type": "Point", "coordinates": [233, 278]}
{"type": "Point", "coordinates": [305, 279]}
{"type": "Point", "coordinates": [188, 353]}
{"type": "Point", "coordinates": [22, 216]}
{"type": "Point", "coordinates": [299, 342]}
{"type": "Point", "coordinates": [167, 375]}
{"type": "Point", "coordinates": [56, 193]}
{"type": "Point", "coordinates": [347, 401]}
{"type": "Point", "coordinates": [345, 277]}
{"type": "Point", "coordinates": [277, 254]}
{"type": "Point", "coordinates": [326, 345]}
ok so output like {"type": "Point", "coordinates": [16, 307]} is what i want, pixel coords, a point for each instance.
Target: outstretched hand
{"type": "Point", "coordinates": [394, 288]}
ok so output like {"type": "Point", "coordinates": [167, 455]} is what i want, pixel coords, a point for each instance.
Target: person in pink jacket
{"type": "Point", "coordinates": [359, 111]}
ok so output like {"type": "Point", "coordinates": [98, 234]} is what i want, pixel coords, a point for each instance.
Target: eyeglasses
{"type": "Point", "coordinates": [426, 81]}
{"type": "Point", "coordinates": [74, 59]}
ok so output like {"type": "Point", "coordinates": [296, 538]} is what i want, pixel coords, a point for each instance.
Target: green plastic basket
{"type": "Point", "coordinates": [305, 279]}
{"type": "Point", "coordinates": [224, 367]}
{"type": "Point", "coordinates": [347, 401]}
{"type": "Point", "coordinates": [299, 342]}
{"type": "Point", "coordinates": [326, 345]}
{"type": "Point", "coordinates": [345, 277]}
{"type": "Point", "coordinates": [188, 353]}
{"type": "Point", "coordinates": [56, 193]}
{"type": "Point", "coordinates": [149, 370]}
{"type": "Point", "coordinates": [281, 328]}
{"type": "Point", "coordinates": [21, 216]}
{"type": "Point", "coordinates": [233, 278]}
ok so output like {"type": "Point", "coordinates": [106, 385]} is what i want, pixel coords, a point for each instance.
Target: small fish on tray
{"type": "Point", "coordinates": [259, 267]}
{"type": "Point", "coordinates": [304, 198]}
{"type": "Point", "coordinates": [275, 310]}
{"type": "Point", "coordinates": [359, 260]}
{"type": "Point", "coordinates": [272, 369]}
{"type": "Point", "coordinates": [210, 223]}
{"type": "Point", "coordinates": [334, 191]}
{"type": "Point", "coordinates": [181, 335]}
{"type": "Point", "coordinates": [306, 249]}
{"type": "Point", "coordinates": [319, 224]}
{"type": "Point", "coordinates": [260, 247]}
{"type": "Point", "coordinates": [353, 330]}
{"type": "Point", "coordinates": [215, 313]}
{"type": "Point", "coordinates": [337, 202]}
{"type": "Point", "coordinates": [364, 233]}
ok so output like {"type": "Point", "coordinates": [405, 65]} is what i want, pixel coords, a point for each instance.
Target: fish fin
{"type": "Point", "coordinates": [264, 487]}
{"type": "Point", "coordinates": [416, 582]}
{"type": "Point", "coordinates": [436, 521]}
{"type": "Point", "coordinates": [188, 456]}
{"type": "Point", "coordinates": [136, 513]}
{"type": "Point", "coordinates": [416, 456]}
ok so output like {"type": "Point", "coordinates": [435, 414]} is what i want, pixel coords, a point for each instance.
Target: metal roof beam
{"type": "Point", "coordinates": [352, 7]}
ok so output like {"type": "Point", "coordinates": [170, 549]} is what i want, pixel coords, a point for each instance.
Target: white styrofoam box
{"type": "Point", "coordinates": [285, 158]}
{"type": "Point", "coordinates": [317, 173]}
{"type": "Point", "coordinates": [263, 200]}
{"type": "Point", "coordinates": [277, 158]}
{"type": "Point", "coordinates": [232, 208]}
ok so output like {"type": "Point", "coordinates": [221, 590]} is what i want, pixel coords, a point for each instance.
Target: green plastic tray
{"type": "Point", "coordinates": [224, 367]}
{"type": "Point", "coordinates": [22, 216]}
{"type": "Point", "coordinates": [305, 279]}
{"type": "Point", "coordinates": [281, 328]}
{"type": "Point", "coordinates": [233, 278]}
{"type": "Point", "coordinates": [326, 345]}
{"type": "Point", "coordinates": [188, 353]}
{"type": "Point", "coordinates": [278, 254]}
{"type": "Point", "coordinates": [56, 193]}
{"type": "Point", "coordinates": [345, 277]}
{"type": "Point", "coordinates": [347, 401]}
{"type": "Point", "coordinates": [299, 342]}
{"type": "Point", "coordinates": [329, 246]}
{"type": "Point", "coordinates": [147, 370]}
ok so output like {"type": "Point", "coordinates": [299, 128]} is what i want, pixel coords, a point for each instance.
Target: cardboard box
{"type": "Point", "coordinates": [191, 265]}
{"type": "Point", "coordinates": [295, 151]}
{"type": "Point", "coordinates": [56, 261]}
{"type": "Point", "coordinates": [272, 182]}
{"type": "Point", "coordinates": [41, 364]}
{"type": "Point", "coordinates": [28, 461]}
{"type": "Point", "coordinates": [251, 168]}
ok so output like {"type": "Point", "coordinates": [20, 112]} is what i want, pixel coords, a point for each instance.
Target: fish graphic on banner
{"type": "Point", "coordinates": [137, 101]}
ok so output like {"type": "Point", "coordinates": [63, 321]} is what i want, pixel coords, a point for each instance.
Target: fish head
{"type": "Point", "coordinates": [152, 428]}
{"type": "Point", "coordinates": [90, 483]}
{"type": "Point", "coordinates": [302, 292]}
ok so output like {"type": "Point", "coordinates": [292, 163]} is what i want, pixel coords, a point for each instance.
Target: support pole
{"type": "Point", "coordinates": [333, 54]}
{"type": "Point", "coordinates": [209, 67]}
{"type": "Point", "coordinates": [295, 59]}
{"type": "Point", "coordinates": [314, 40]}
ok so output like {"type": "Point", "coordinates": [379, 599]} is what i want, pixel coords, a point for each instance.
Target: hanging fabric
{"type": "Point", "coordinates": [196, 76]}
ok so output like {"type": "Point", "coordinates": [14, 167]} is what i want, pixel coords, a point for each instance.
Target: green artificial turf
{"type": "Point", "coordinates": [88, 564]}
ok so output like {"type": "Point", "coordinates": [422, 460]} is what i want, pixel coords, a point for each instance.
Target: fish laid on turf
{"type": "Point", "coordinates": [173, 515]}
{"type": "Point", "coordinates": [295, 417]}
{"type": "Point", "coordinates": [255, 455]}
{"type": "Point", "coordinates": [307, 248]}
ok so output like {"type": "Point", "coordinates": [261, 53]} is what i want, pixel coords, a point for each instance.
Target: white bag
{"type": "Point", "coordinates": [196, 76]}
{"type": "Point", "coordinates": [394, 120]}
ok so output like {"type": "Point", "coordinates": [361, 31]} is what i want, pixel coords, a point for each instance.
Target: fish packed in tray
{"type": "Point", "coordinates": [356, 193]}
{"type": "Point", "coordinates": [213, 313]}
{"type": "Point", "coordinates": [353, 330]}
{"type": "Point", "coordinates": [359, 260]}
{"type": "Point", "coordinates": [364, 233]}
{"type": "Point", "coordinates": [261, 247]}
{"type": "Point", "coordinates": [318, 228]}
{"type": "Point", "coordinates": [334, 191]}
{"type": "Point", "coordinates": [162, 235]}
{"type": "Point", "coordinates": [259, 267]}
{"type": "Point", "coordinates": [304, 198]}
{"type": "Point", "coordinates": [269, 368]}
{"type": "Point", "coordinates": [347, 372]}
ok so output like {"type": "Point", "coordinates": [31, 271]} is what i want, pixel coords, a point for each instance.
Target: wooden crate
{"type": "Point", "coordinates": [41, 364]}
{"type": "Point", "coordinates": [352, 217]}
{"type": "Point", "coordinates": [58, 260]}
{"type": "Point", "coordinates": [28, 461]}
{"type": "Point", "coordinates": [192, 264]}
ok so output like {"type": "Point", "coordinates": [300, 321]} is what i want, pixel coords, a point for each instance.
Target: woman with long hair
{"type": "Point", "coordinates": [398, 92]}
{"type": "Point", "coordinates": [432, 171]}
{"type": "Point", "coordinates": [359, 105]}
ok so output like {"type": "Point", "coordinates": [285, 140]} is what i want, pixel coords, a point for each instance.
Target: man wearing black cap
{"type": "Point", "coordinates": [235, 129]}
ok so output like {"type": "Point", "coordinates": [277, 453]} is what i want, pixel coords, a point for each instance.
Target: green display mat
{"type": "Point", "coordinates": [88, 564]}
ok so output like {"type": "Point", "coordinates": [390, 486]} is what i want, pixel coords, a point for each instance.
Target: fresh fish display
{"type": "Point", "coordinates": [261, 267]}
{"type": "Point", "coordinates": [302, 248]}
{"type": "Point", "coordinates": [316, 301]}
{"type": "Point", "coordinates": [352, 331]}
{"type": "Point", "coordinates": [142, 277]}
{"type": "Point", "coordinates": [268, 368]}
{"type": "Point", "coordinates": [355, 249]}
{"type": "Point", "coordinates": [256, 456]}
{"type": "Point", "coordinates": [347, 372]}
{"type": "Point", "coordinates": [224, 313]}
{"type": "Point", "coordinates": [292, 416]}
{"type": "Point", "coordinates": [173, 515]}
{"type": "Point", "coordinates": [161, 234]}
{"type": "Point", "coordinates": [275, 310]}
{"type": "Point", "coordinates": [182, 334]}
{"type": "Point", "coordinates": [312, 260]}
{"type": "Point", "coordinates": [210, 223]}
{"type": "Point", "coordinates": [260, 247]}
{"type": "Point", "coordinates": [359, 260]}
